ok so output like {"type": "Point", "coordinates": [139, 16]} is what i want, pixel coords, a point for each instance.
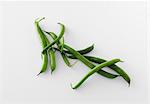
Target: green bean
{"type": "Point", "coordinates": [95, 69]}
{"type": "Point", "coordinates": [52, 61]}
{"type": "Point", "coordinates": [51, 56]}
{"type": "Point", "coordinates": [114, 67]}
{"type": "Point", "coordinates": [62, 45]}
{"type": "Point", "coordinates": [83, 51]}
{"type": "Point", "coordinates": [59, 45]}
{"type": "Point", "coordinates": [40, 32]}
{"type": "Point", "coordinates": [44, 44]}
{"type": "Point", "coordinates": [57, 39]}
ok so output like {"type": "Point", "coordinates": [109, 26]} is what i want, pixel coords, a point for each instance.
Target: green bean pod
{"type": "Point", "coordinates": [52, 60]}
{"type": "Point", "coordinates": [57, 39]}
{"type": "Point", "coordinates": [44, 44]}
{"type": "Point", "coordinates": [44, 63]}
{"type": "Point", "coordinates": [95, 69]}
{"type": "Point", "coordinates": [114, 67]}
{"type": "Point", "coordinates": [51, 56]}
{"type": "Point", "coordinates": [62, 45]}
{"type": "Point", "coordinates": [83, 51]}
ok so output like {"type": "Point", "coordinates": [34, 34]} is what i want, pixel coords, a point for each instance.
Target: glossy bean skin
{"type": "Point", "coordinates": [52, 60]}
{"type": "Point", "coordinates": [60, 48]}
{"type": "Point", "coordinates": [114, 67]}
{"type": "Point", "coordinates": [62, 45]}
{"type": "Point", "coordinates": [95, 69]}
{"type": "Point", "coordinates": [57, 39]}
{"type": "Point", "coordinates": [44, 44]}
{"type": "Point", "coordinates": [51, 56]}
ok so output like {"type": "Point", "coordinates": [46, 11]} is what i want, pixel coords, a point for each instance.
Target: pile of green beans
{"type": "Point", "coordinates": [96, 64]}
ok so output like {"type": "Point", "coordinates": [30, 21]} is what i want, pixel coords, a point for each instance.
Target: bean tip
{"type": "Point", "coordinates": [93, 44]}
{"type": "Point", "coordinates": [45, 31]}
{"type": "Point", "coordinates": [43, 51]}
{"type": "Point", "coordinates": [39, 73]}
{"type": "Point", "coordinates": [39, 19]}
{"type": "Point", "coordinates": [52, 71]}
{"type": "Point", "coordinates": [121, 61]}
{"type": "Point", "coordinates": [60, 23]}
{"type": "Point", "coordinates": [71, 86]}
{"type": "Point", "coordinates": [74, 63]}
{"type": "Point", "coordinates": [129, 83]}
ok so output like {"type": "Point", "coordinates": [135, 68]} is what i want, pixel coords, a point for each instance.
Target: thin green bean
{"type": "Point", "coordinates": [57, 39]}
{"type": "Point", "coordinates": [62, 45]}
{"type": "Point", "coordinates": [44, 44]}
{"type": "Point", "coordinates": [83, 51]}
{"type": "Point", "coordinates": [95, 69]}
{"type": "Point", "coordinates": [51, 56]}
{"type": "Point", "coordinates": [114, 67]}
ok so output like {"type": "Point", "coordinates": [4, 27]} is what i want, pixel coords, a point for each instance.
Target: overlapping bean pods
{"type": "Point", "coordinates": [69, 52]}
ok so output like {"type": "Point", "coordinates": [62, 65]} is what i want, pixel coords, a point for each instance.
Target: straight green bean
{"type": "Point", "coordinates": [51, 56]}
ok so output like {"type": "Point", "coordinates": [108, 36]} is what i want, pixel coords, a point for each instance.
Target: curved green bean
{"type": "Point", "coordinates": [57, 39]}
{"type": "Point", "coordinates": [40, 32]}
{"type": "Point", "coordinates": [114, 67]}
{"type": "Point", "coordinates": [95, 69]}
{"type": "Point", "coordinates": [44, 63]}
{"type": "Point", "coordinates": [83, 51]}
{"type": "Point", "coordinates": [51, 56]}
{"type": "Point", "coordinates": [44, 44]}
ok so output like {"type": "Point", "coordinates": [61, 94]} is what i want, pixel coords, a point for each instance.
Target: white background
{"type": "Point", "coordinates": [118, 30]}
